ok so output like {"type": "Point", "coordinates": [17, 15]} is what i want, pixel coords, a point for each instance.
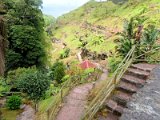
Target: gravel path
{"type": "Point", "coordinates": [146, 103]}
{"type": "Point", "coordinates": [75, 102]}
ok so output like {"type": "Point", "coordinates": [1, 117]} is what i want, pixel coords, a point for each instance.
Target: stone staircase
{"type": "Point", "coordinates": [134, 79]}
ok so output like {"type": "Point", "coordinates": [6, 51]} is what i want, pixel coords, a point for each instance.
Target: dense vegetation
{"type": "Point", "coordinates": [104, 19]}
{"type": "Point", "coordinates": [41, 58]}
{"type": "Point", "coordinates": [25, 34]}
{"type": "Point", "coordinates": [3, 41]}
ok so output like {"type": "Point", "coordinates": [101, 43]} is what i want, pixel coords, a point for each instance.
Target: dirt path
{"type": "Point", "coordinates": [74, 103]}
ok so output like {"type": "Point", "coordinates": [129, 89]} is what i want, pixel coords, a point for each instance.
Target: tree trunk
{"type": "Point", "coordinates": [3, 45]}
{"type": "Point", "coordinates": [36, 107]}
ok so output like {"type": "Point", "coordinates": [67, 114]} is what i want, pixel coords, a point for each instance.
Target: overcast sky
{"type": "Point", "coordinates": [59, 7]}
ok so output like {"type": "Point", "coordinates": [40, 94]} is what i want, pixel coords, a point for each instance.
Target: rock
{"type": "Point", "coordinates": [27, 114]}
{"type": "Point", "coordinates": [23, 106]}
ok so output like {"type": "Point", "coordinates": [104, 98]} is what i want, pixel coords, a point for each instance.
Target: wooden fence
{"type": "Point", "coordinates": [109, 87]}
{"type": "Point", "coordinates": [55, 105]}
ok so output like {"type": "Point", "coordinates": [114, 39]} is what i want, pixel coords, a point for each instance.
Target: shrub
{"type": "Point", "coordinates": [58, 71]}
{"type": "Point", "coordinates": [124, 46]}
{"type": "Point", "coordinates": [150, 36]}
{"type": "Point", "coordinates": [15, 74]}
{"type": "Point", "coordinates": [113, 63]}
{"type": "Point", "coordinates": [34, 85]}
{"type": "Point", "coordinates": [14, 102]}
{"type": "Point", "coordinates": [3, 86]}
{"type": "Point", "coordinates": [65, 53]}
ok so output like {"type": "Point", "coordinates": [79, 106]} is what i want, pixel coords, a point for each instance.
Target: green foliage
{"type": "Point", "coordinates": [12, 58]}
{"type": "Point", "coordinates": [65, 78]}
{"type": "Point", "coordinates": [34, 85]}
{"type": "Point", "coordinates": [65, 53]}
{"type": "Point", "coordinates": [53, 90]}
{"type": "Point", "coordinates": [3, 86]}
{"type": "Point", "coordinates": [49, 20]}
{"type": "Point", "coordinates": [58, 71]}
{"type": "Point", "coordinates": [148, 44]}
{"type": "Point", "coordinates": [14, 102]}
{"type": "Point", "coordinates": [114, 63]}
{"type": "Point", "coordinates": [131, 35]}
{"type": "Point", "coordinates": [127, 39]}
{"type": "Point", "coordinates": [97, 40]}
{"type": "Point", "coordinates": [153, 57]}
{"type": "Point", "coordinates": [108, 15]}
{"type": "Point", "coordinates": [129, 29]}
{"type": "Point", "coordinates": [14, 75]}
{"type": "Point", "coordinates": [150, 36]}
{"type": "Point", "coordinates": [91, 10]}
{"type": "Point", "coordinates": [143, 38]}
{"type": "Point", "coordinates": [103, 10]}
{"type": "Point", "coordinates": [25, 33]}
{"type": "Point", "coordinates": [124, 46]}
{"type": "Point", "coordinates": [26, 46]}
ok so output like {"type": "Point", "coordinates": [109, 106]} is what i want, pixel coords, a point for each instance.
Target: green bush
{"type": "Point", "coordinates": [34, 85]}
{"type": "Point", "coordinates": [150, 36]}
{"type": "Point", "coordinates": [3, 87]}
{"type": "Point", "coordinates": [65, 53]}
{"type": "Point", "coordinates": [14, 102]}
{"type": "Point", "coordinates": [16, 74]}
{"type": "Point", "coordinates": [124, 46]}
{"type": "Point", "coordinates": [113, 63]}
{"type": "Point", "coordinates": [58, 71]}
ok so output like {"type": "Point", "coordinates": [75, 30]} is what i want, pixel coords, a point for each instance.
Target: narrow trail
{"type": "Point", "coordinates": [75, 102]}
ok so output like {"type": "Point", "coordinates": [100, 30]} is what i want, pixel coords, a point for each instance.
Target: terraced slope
{"type": "Point", "coordinates": [101, 19]}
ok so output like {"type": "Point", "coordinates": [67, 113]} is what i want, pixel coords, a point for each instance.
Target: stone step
{"type": "Point", "coordinates": [133, 80]}
{"type": "Point", "coordinates": [127, 87]}
{"type": "Point", "coordinates": [110, 116]}
{"type": "Point", "coordinates": [122, 98]}
{"type": "Point", "coordinates": [138, 73]}
{"type": "Point", "coordinates": [144, 66]}
{"type": "Point", "coordinates": [113, 107]}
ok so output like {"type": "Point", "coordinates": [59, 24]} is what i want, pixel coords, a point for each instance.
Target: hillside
{"type": "Point", "coordinates": [77, 61]}
{"type": "Point", "coordinates": [102, 20]}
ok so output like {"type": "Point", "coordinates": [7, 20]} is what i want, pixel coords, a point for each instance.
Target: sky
{"type": "Point", "coordinates": [60, 7]}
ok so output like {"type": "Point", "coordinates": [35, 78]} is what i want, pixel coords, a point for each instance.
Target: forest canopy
{"type": "Point", "coordinates": [25, 33]}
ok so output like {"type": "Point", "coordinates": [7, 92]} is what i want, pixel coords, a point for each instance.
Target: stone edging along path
{"type": "Point", "coordinates": [74, 104]}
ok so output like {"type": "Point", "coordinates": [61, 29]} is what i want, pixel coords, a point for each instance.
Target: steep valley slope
{"type": "Point", "coordinates": [94, 26]}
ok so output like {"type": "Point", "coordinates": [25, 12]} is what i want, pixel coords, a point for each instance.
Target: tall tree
{"type": "Point", "coordinates": [3, 41]}
{"type": "Point", "coordinates": [25, 33]}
